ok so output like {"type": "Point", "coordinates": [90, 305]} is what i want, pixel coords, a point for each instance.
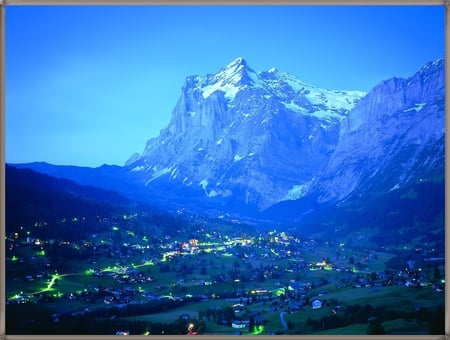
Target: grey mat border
{"type": "Point", "coordinates": [4, 3]}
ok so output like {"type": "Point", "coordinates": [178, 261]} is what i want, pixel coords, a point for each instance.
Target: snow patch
{"type": "Point", "coordinates": [395, 187]}
{"type": "Point", "coordinates": [226, 80]}
{"type": "Point", "coordinates": [158, 173]}
{"type": "Point", "coordinates": [293, 82]}
{"type": "Point", "coordinates": [172, 173]}
{"type": "Point", "coordinates": [339, 99]}
{"type": "Point", "coordinates": [327, 115]}
{"type": "Point", "coordinates": [417, 107]}
{"type": "Point", "coordinates": [229, 90]}
{"type": "Point", "coordinates": [138, 168]}
{"type": "Point", "coordinates": [296, 192]}
{"type": "Point", "coordinates": [294, 107]}
{"type": "Point", "coordinates": [203, 183]}
{"type": "Point", "coordinates": [212, 193]}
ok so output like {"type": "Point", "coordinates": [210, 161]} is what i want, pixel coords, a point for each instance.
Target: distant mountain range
{"type": "Point", "coordinates": [34, 198]}
{"type": "Point", "coordinates": [252, 144]}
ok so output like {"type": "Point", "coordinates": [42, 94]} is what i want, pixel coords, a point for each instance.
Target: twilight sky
{"type": "Point", "coordinates": [89, 85]}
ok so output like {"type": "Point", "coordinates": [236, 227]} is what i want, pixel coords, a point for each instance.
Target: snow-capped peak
{"type": "Point", "coordinates": [229, 79]}
{"type": "Point", "coordinates": [295, 94]}
{"type": "Point", "coordinates": [434, 63]}
{"type": "Point", "coordinates": [306, 99]}
{"type": "Point", "coordinates": [237, 63]}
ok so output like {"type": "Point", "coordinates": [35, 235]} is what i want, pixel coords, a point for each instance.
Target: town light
{"type": "Point", "coordinates": [191, 329]}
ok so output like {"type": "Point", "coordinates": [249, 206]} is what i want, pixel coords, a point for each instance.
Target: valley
{"type": "Point", "coordinates": [141, 277]}
{"type": "Point", "coordinates": [266, 206]}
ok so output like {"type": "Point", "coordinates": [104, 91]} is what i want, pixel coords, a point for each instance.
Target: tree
{"type": "Point", "coordinates": [375, 327]}
{"type": "Point", "coordinates": [437, 274]}
{"type": "Point", "coordinates": [228, 314]}
{"type": "Point", "coordinates": [251, 324]}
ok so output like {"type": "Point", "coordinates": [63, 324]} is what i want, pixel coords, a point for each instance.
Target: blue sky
{"type": "Point", "coordinates": [89, 85]}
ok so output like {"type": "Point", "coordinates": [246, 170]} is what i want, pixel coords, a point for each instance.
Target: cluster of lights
{"type": "Point", "coordinates": [259, 329]}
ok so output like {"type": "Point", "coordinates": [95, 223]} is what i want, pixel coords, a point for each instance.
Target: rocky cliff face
{"type": "Point", "coordinates": [254, 137]}
{"type": "Point", "coordinates": [394, 135]}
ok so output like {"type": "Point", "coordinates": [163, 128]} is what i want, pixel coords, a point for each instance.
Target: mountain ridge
{"type": "Point", "coordinates": [277, 140]}
{"type": "Point", "coordinates": [400, 122]}
{"type": "Point", "coordinates": [233, 134]}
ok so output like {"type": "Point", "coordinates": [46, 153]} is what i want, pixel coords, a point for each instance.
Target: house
{"type": "Point", "coordinates": [240, 324]}
{"type": "Point", "coordinates": [122, 333]}
{"type": "Point", "coordinates": [238, 307]}
{"type": "Point", "coordinates": [316, 304]}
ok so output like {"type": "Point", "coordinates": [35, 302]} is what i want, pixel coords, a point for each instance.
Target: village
{"type": "Point", "coordinates": [285, 274]}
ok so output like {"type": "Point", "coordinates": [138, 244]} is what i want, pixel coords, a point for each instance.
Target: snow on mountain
{"type": "Point", "coordinates": [263, 137]}
{"type": "Point", "coordinates": [288, 89]}
{"type": "Point", "coordinates": [229, 80]}
{"type": "Point", "coordinates": [246, 134]}
{"type": "Point", "coordinates": [241, 141]}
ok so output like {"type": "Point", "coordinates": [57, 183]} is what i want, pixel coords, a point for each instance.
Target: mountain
{"type": "Point", "coordinates": [245, 136]}
{"type": "Point", "coordinates": [53, 178]}
{"type": "Point", "coordinates": [393, 137]}
{"type": "Point", "coordinates": [33, 197]}
{"type": "Point", "coordinates": [267, 145]}
{"type": "Point", "coordinates": [57, 208]}
{"type": "Point", "coordinates": [388, 167]}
